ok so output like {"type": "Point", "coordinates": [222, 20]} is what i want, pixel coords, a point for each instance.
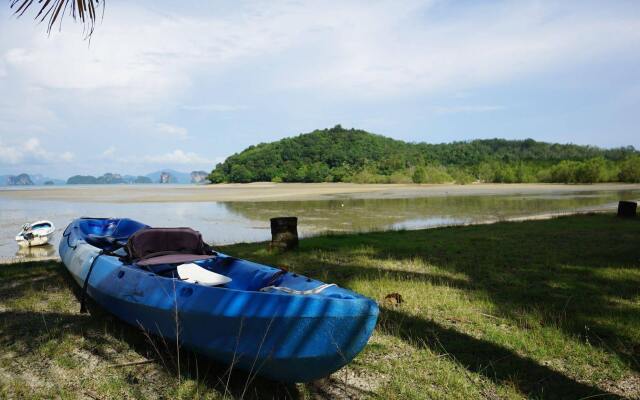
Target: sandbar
{"type": "Point", "coordinates": [267, 191]}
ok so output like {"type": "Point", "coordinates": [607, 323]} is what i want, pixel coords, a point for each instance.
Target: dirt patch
{"type": "Point", "coordinates": [348, 383]}
{"type": "Point", "coordinates": [628, 387]}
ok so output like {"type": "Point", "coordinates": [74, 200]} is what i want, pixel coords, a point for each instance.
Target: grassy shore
{"type": "Point", "coordinates": [538, 309]}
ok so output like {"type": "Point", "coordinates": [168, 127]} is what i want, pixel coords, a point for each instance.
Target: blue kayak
{"type": "Point", "coordinates": [261, 319]}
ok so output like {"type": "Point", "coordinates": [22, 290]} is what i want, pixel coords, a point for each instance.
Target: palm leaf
{"type": "Point", "coordinates": [54, 10]}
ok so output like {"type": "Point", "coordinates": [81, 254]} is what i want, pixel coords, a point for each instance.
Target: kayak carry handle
{"type": "Point", "coordinates": [83, 294]}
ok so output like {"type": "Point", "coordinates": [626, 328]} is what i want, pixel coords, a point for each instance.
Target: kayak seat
{"type": "Point", "coordinates": [193, 273]}
{"type": "Point", "coordinates": [171, 257]}
{"type": "Point", "coordinates": [156, 246]}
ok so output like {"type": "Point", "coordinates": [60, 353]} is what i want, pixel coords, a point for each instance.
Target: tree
{"type": "Point", "coordinates": [419, 175]}
{"type": "Point", "coordinates": [564, 172]}
{"type": "Point", "coordinates": [630, 170]}
{"type": "Point", "coordinates": [590, 171]}
{"type": "Point", "coordinates": [240, 174]}
{"type": "Point", "coordinates": [216, 176]}
{"type": "Point", "coordinates": [54, 10]}
{"type": "Point", "coordinates": [316, 172]}
{"type": "Point", "coordinates": [486, 172]}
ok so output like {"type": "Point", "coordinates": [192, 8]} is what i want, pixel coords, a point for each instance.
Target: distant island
{"type": "Point", "coordinates": [351, 155]}
{"type": "Point", "coordinates": [24, 179]}
{"type": "Point", "coordinates": [106, 179]}
{"type": "Point", "coordinates": [163, 176]}
{"type": "Point", "coordinates": [17, 180]}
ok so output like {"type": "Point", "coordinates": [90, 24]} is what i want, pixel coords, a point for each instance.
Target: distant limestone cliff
{"type": "Point", "coordinates": [142, 179]}
{"type": "Point", "coordinates": [110, 178]}
{"type": "Point", "coordinates": [166, 177]}
{"type": "Point", "coordinates": [18, 180]}
{"type": "Point", "coordinates": [28, 180]}
{"type": "Point", "coordinates": [199, 176]}
{"type": "Point", "coordinates": [82, 180]}
{"type": "Point", "coordinates": [161, 176]}
{"type": "Point", "coordinates": [106, 179]}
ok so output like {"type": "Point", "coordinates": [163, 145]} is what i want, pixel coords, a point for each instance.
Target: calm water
{"type": "Point", "coordinates": [231, 222]}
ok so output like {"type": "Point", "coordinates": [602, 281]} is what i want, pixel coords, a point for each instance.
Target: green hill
{"type": "Point", "coordinates": [341, 155]}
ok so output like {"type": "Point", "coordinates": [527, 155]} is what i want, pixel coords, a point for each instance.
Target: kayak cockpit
{"type": "Point", "coordinates": [107, 233]}
{"type": "Point", "coordinates": [161, 251]}
{"type": "Point", "coordinates": [249, 276]}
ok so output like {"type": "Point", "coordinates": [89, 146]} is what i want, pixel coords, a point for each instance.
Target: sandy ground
{"type": "Point", "coordinates": [287, 191]}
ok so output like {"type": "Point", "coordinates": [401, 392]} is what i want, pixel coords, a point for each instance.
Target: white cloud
{"type": "Point", "coordinates": [24, 112]}
{"type": "Point", "coordinates": [390, 52]}
{"type": "Point", "coordinates": [213, 107]}
{"type": "Point", "coordinates": [30, 152]}
{"type": "Point", "coordinates": [171, 131]}
{"type": "Point", "coordinates": [18, 56]}
{"type": "Point", "coordinates": [67, 156]}
{"type": "Point", "coordinates": [467, 109]}
{"type": "Point", "coordinates": [109, 152]}
{"type": "Point", "coordinates": [364, 48]}
{"type": "Point", "coordinates": [10, 155]}
{"type": "Point", "coordinates": [178, 157]}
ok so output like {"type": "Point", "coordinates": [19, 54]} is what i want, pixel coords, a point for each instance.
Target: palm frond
{"type": "Point", "coordinates": [54, 11]}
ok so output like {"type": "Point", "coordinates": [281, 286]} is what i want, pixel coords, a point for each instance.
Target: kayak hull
{"type": "Point", "coordinates": [289, 338]}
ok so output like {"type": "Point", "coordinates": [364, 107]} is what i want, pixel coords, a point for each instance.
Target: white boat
{"type": "Point", "coordinates": [35, 233]}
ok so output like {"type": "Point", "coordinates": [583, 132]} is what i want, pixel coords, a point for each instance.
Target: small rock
{"type": "Point", "coordinates": [393, 299]}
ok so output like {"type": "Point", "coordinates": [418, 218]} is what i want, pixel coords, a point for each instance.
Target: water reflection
{"type": "Point", "coordinates": [35, 253]}
{"type": "Point", "coordinates": [232, 222]}
{"type": "Point", "coordinates": [375, 214]}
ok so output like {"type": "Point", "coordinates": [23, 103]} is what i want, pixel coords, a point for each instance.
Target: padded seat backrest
{"type": "Point", "coordinates": [165, 240]}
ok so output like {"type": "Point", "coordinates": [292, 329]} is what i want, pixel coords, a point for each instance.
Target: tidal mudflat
{"type": "Point", "coordinates": [267, 191]}
{"type": "Point", "coordinates": [240, 213]}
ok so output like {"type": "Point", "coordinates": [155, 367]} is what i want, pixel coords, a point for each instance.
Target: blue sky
{"type": "Point", "coordinates": [185, 84]}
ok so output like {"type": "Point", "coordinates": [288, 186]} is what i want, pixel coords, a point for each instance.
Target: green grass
{"type": "Point", "coordinates": [538, 309]}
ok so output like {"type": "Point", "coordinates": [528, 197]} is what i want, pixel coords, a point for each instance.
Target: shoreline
{"type": "Point", "coordinates": [267, 191]}
{"type": "Point", "coordinates": [534, 217]}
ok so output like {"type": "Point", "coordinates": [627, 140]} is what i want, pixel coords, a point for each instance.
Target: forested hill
{"type": "Point", "coordinates": [341, 155]}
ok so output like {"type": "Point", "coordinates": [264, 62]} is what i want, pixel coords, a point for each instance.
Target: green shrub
{"type": "Point", "coordinates": [564, 172]}
{"type": "Point", "coordinates": [399, 177]}
{"type": "Point", "coordinates": [630, 170]}
{"type": "Point", "coordinates": [419, 175]}
{"type": "Point", "coordinates": [591, 171]}
{"type": "Point", "coordinates": [241, 174]}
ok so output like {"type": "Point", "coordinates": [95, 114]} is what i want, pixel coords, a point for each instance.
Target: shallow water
{"type": "Point", "coordinates": [231, 222]}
